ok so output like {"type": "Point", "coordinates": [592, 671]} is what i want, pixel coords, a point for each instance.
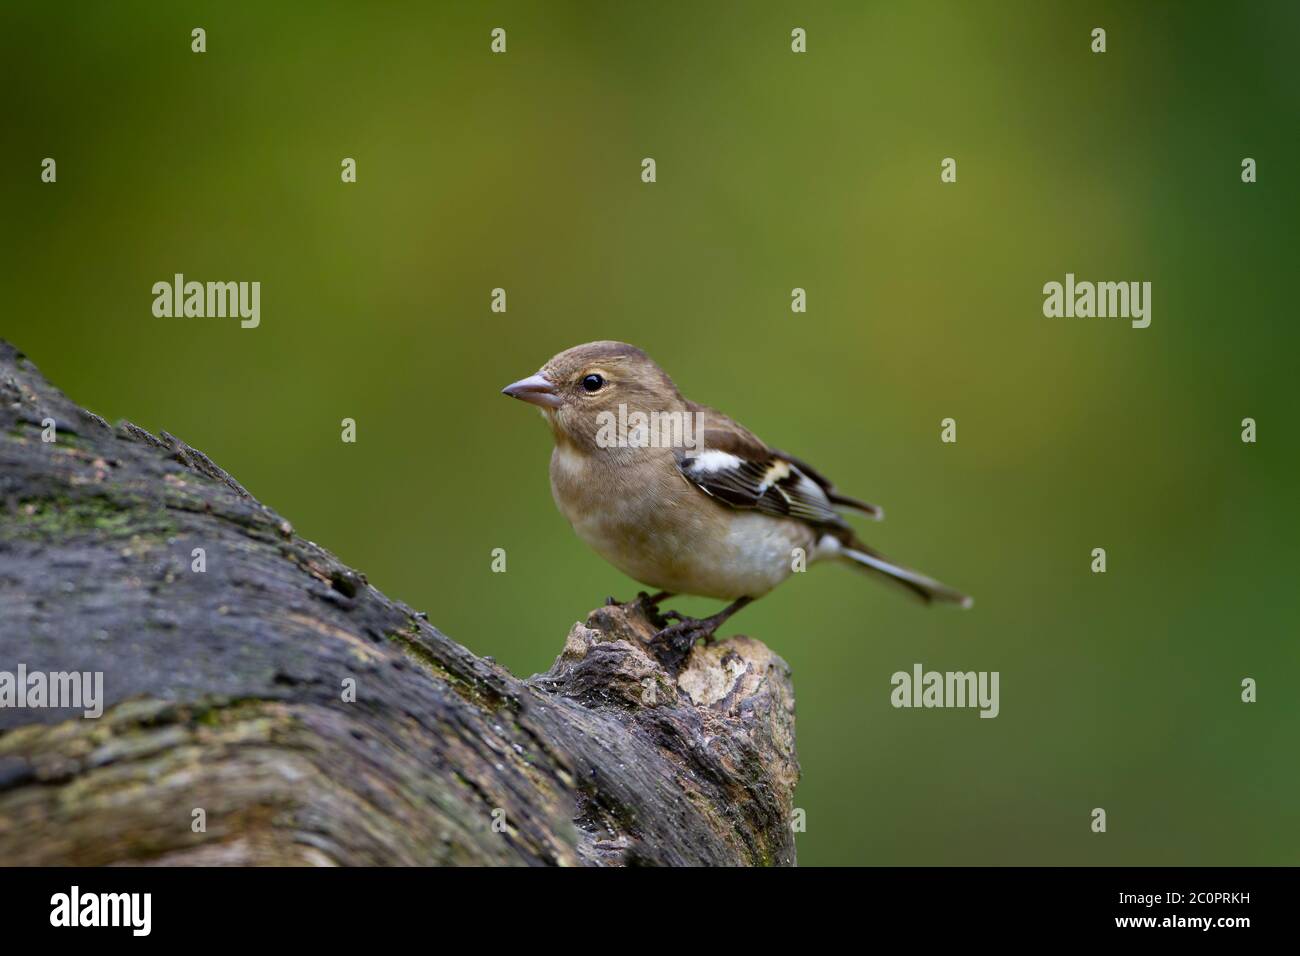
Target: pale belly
{"type": "Point", "coordinates": [712, 551]}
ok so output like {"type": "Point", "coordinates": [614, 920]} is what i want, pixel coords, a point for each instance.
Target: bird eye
{"type": "Point", "coordinates": [592, 383]}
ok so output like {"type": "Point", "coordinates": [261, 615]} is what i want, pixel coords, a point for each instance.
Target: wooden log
{"type": "Point", "coordinates": [228, 734]}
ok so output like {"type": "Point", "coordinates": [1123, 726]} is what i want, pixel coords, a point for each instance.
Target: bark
{"type": "Point", "coordinates": [224, 692]}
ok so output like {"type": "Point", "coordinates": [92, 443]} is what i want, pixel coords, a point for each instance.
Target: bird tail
{"type": "Point", "coordinates": [926, 588]}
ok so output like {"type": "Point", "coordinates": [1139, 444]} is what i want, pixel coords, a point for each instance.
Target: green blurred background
{"type": "Point", "coordinates": [775, 170]}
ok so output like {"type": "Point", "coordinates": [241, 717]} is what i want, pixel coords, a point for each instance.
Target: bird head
{"type": "Point", "coordinates": [580, 389]}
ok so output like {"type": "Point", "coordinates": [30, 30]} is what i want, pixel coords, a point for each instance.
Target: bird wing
{"type": "Point", "coordinates": [736, 467]}
{"type": "Point", "coordinates": [835, 497]}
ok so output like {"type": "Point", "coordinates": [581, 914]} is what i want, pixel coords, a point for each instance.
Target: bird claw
{"type": "Point", "coordinates": [673, 643]}
{"type": "Point", "coordinates": [648, 605]}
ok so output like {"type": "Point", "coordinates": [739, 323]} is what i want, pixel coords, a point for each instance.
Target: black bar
{"type": "Point", "coordinates": [333, 906]}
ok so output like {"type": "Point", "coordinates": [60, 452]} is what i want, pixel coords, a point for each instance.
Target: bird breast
{"type": "Point", "coordinates": [648, 521]}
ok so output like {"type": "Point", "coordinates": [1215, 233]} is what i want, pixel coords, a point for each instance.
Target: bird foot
{"type": "Point", "coordinates": [704, 627]}
{"type": "Point", "coordinates": [648, 606]}
{"type": "Point", "coordinates": [675, 641]}
{"type": "Point", "coordinates": [672, 644]}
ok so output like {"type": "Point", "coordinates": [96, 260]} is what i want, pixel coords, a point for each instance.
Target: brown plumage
{"type": "Point", "coordinates": [718, 518]}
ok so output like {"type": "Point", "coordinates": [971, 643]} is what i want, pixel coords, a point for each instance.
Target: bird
{"type": "Point", "coordinates": [696, 506]}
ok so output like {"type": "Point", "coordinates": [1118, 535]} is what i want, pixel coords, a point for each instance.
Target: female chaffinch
{"type": "Point", "coordinates": [681, 498]}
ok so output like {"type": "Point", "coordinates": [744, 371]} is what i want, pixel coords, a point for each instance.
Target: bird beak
{"type": "Point", "coordinates": [535, 390]}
